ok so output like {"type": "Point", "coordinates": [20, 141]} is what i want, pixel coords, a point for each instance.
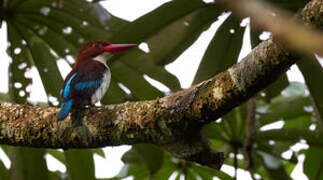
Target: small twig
{"type": "Point", "coordinates": [319, 171]}
{"type": "Point", "coordinates": [250, 131]}
{"type": "Point", "coordinates": [60, 3]}
{"type": "Point", "coordinates": [235, 163]}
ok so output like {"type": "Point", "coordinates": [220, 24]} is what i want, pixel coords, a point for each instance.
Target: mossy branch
{"type": "Point", "coordinates": [172, 122]}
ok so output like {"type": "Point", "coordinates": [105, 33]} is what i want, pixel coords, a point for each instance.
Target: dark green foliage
{"type": "Point", "coordinates": [220, 56]}
{"type": "Point", "coordinates": [41, 32]}
{"type": "Point", "coordinates": [313, 164]}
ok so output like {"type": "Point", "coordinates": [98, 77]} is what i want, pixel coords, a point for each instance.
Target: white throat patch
{"type": "Point", "coordinates": [102, 58]}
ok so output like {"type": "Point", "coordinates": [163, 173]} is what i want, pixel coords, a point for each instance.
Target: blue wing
{"type": "Point", "coordinates": [67, 87]}
{"type": "Point", "coordinates": [66, 105]}
{"type": "Point", "coordinates": [80, 86]}
{"type": "Point", "coordinates": [65, 109]}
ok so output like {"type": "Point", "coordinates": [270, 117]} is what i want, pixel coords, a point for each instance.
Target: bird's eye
{"type": "Point", "coordinates": [95, 45]}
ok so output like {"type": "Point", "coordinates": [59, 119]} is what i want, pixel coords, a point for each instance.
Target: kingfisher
{"type": "Point", "coordinates": [90, 77]}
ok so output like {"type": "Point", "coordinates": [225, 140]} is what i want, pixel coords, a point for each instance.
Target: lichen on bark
{"type": "Point", "coordinates": [173, 122]}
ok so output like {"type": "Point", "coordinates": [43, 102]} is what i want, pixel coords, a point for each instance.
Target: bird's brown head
{"type": "Point", "coordinates": [95, 48]}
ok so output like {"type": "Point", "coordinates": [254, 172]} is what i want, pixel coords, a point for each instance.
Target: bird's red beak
{"type": "Point", "coordinates": [114, 48]}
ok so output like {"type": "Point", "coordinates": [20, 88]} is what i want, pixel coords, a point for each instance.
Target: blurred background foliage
{"type": "Point", "coordinates": [42, 32]}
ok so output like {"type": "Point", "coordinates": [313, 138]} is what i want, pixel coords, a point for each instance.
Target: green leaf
{"type": "Point", "coordinates": [276, 87]}
{"type": "Point", "coordinates": [295, 89]}
{"type": "Point", "coordinates": [154, 21]}
{"type": "Point", "coordinates": [47, 22]}
{"type": "Point", "coordinates": [150, 155]}
{"type": "Point", "coordinates": [223, 50]}
{"type": "Point", "coordinates": [99, 151]}
{"type": "Point", "coordinates": [57, 154]}
{"type": "Point", "coordinates": [48, 29]}
{"type": "Point", "coordinates": [28, 164]}
{"type": "Point", "coordinates": [57, 175]}
{"type": "Point", "coordinates": [208, 173]}
{"type": "Point", "coordinates": [284, 108]}
{"type": "Point", "coordinates": [167, 169]}
{"type": "Point", "coordinates": [273, 166]}
{"type": "Point", "coordinates": [6, 149]}
{"type": "Point", "coordinates": [313, 75]}
{"type": "Point", "coordinates": [115, 94]}
{"type": "Point", "coordinates": [290, 135]}
{"type": "Point", "coordinates": [131, 78]}
{"type": "Point", "coordinates": [1, 10]}
{"type": "Point", "coordinates": [171, 41]}
{"type": "Point", "coordinates": [313, 164]}
{"type": "Point", "coordinates": [4, 173]}
{"type": "Point", "coordinates": [137, 171]}
{"type": "Point", "coordinates": [21, 63]}
{"type": "Point", "coordinates": [190, 175]}
{"type": "Point", "coordinates": [80, 164]}
{"type": "Point", "coordinates": [4, 97]}
{"type": "Point", "coordinates": [301, 122]}
{"type": "Point", "coordinates": [276, 149]}
{"type": "Point", "coordinates": [167, 43]}
{"type": "Point", "coordinates": [43, 60]}
{"type": "Point", "coordinates": [214, 131]}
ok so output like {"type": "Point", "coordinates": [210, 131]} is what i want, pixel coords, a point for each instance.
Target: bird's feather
{"type": "Point", "coordinates": [65, 109]}
{"type": "Point", "coordinates": [87, 84]}
{"type": "Point", "coordinates": [68, 86]}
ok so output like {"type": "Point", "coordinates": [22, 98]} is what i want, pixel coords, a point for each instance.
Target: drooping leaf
{"type": "Point", "coordinates": [214, 131]}
{"type": "Point", "coordinates": [4, 97]}
{"type": "Point", "coordinates": [208, 173]}
{"type": "Point", "coordinates": [276, 87]}
{"type": "Point", "coordinates": [4, 172]}
{"type": "Point", "coordinates": [21, 63]}
{"type": "Point", "coordinates": [44, 61]}
{"type": "Point", "coordinates": [167, 169]}
{"type": "Point", "coordinates": [301, 122]}
{"type": "Point", "coordinates": [273, 166]}
{"type": "Point", "coordinates": [291, 135]}
{"type": "Point", "coordinates": [147, 25]}
{"type": "Point", "coordinates": [313, 75]}
{"type": "Point", "coordinates": [275, 149]}
{"type": "Point", "coordinates": [169, 42]}
{"type": "Point", "coordinates": [28, 164]}
{"type": "Point", "coordinates": [285, 108]}
{"type": "Point", "coordinates": [6, 149]}
{"type": "Point", "coordinates": [223, 50]}
{"type": "Point", "coordinates": [57, 175]}
{"type": "Point", "coordinates": [1, 10]}
{"type": "Point", "coordinates": [64, 30]}
{"type": "Point", "coordinates": [57, 154]}
{"type": "Point", "coordinates": [295, 89]}
{"type": "Point", "coordinates": [134, 80]}
{"type": "Point", "coordinates": [99, 151]}
{"type": "Point", "coordinates": [80, 164]}
{"type": "Point", "coordinates": [150, 155]}
{"type": "Point", "coordinates": [313, 164]}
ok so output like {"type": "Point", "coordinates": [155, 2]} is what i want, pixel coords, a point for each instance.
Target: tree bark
{"type": "Point", "coordinates": [172, 122]}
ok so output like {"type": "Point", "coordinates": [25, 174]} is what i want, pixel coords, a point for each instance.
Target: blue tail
{"type": "Point", "coordinates": [65, 109]}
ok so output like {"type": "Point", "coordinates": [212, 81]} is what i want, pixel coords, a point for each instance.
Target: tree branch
{"type": "Point", "coordinates": [172, 122]}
